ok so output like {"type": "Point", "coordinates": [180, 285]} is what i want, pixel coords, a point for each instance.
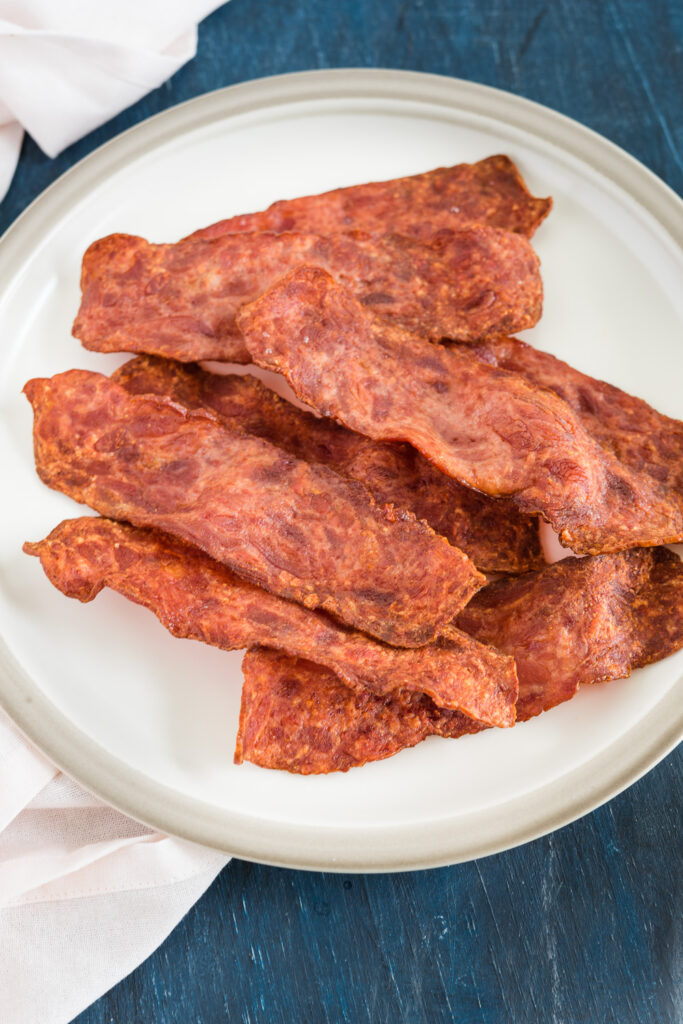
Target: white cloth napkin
{"type": "Point", "coordinates": [86, 894]}
{"type": "Point", "coordinates": [67, 66]}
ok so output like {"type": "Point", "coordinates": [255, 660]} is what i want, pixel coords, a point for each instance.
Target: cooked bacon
{"type": "Point", "coordinates": [580, 621]}
{"type": "Point", "coordinates": [491, 531]}
{"type": "Point", "coordinates": [486, 427]}
{"type": "Point", "coordinates": [196, 597]}
{"type": "Point", "coordinates": [181, 300]}
{"type": "Point", "coordinates": [639, 436]}
{"type": "Point", "coordinates": [490, 191]}
{"type": "Point", "coordinates": [300, 717]}
{"type": "Point", "coordinates": [297, 529]}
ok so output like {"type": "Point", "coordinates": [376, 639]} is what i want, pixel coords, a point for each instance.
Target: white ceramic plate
{"type": "Point", "coordinates": [148, 722]}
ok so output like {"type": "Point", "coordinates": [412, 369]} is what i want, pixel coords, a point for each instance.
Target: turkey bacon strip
{"type": "Point", "coordinates": [491, 191]}
{"type": "Point", "coordinates": [491, 531]}
{"type": "Point", "coordinates": [577, 622]}
{"type": "Point", "coordinates": [196, 597]}
{"type": "Point", "coordinates": [484, 426]}
{"type": "Point", "coordinates": [181, 300]}
{"type": "Point", "coordinates": [628, 427]}
{"type": "Point", "coordinates": [298, 529]}
{"type": "Point", "coordinates": [300, 717]}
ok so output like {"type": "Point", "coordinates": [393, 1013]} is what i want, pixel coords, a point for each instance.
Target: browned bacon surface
{"type": "Point", "coordinates": [181, 300]}
{"type": "Point", "coordinates": [297, 529]}
{"type": "Point", "coordinates": [577, 622]}
{"type": "Point", "coordinates": [300, 717]}
{"type": "Point", "coordinates": [582, 620]}
{"type": "Point", "coordinates": [639, 436]}
{"type": "Point", "coordinates": [484, 426]}
{"type": "Point", "coordinates": [196, 597]}
{"type": "Point", "coordinates": [490, 191]}
{"type": "Point", "coordinates": [491, 531]}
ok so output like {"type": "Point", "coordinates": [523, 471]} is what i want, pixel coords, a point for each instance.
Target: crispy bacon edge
{"type": "Point", "coordinates": [577, 622]}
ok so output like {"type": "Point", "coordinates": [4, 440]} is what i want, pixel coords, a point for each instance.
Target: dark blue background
{"type": "Point", "coordinates": [580, 927]}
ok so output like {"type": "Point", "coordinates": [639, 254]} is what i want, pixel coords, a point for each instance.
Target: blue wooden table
{"type": "Point", "coordinates": [580, 927]}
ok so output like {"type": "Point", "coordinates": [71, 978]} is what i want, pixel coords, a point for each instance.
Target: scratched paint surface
{"type": "Point", "coordinates": [580, 927]}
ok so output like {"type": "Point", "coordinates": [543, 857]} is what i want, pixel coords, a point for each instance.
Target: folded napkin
{"type": "Point", "coordinates": [86, 894]}
{"type": "Point", "coordinates": [67, 66]}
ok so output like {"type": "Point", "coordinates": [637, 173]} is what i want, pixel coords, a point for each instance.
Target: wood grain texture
{"type": "Point", "coordinates": [580, 927]}
{"type": "Point", "coordinates": [612, 65]}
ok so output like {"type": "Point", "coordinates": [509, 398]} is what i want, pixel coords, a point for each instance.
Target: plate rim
{"type": "Point", "coordinates": [386, 848]}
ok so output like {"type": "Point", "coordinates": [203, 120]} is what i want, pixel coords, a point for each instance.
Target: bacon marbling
{"type": "Point", "coordinates": [490, 191]}
{"type": "Point", "coordinates": [580, 621]}
{"type": "Point", "coordinates": [298, 529]}
{"type": "Point", "coordinates": [632, 430]}
{"type": "Point", "coordinates": [491, 531]}
{"type": "Point", "coordinates": [486, 427]}
{"type": "Point", "coordinates": [300, 717]}
{"type": "Point", "coordinates": [181, 300]}
{"type": "Point", "coordinates": [198, 598]}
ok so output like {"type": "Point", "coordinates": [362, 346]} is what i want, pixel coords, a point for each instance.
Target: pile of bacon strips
{"type": "Point", "coordinates": [346, 547]}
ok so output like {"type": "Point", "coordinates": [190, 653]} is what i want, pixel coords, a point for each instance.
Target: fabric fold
{"type": "Point", "coordinates": [72, 866]}
{"type": "Point", "coordinates": [67, 68]}
{"type": "Point", "coordinates": [86, 894]}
